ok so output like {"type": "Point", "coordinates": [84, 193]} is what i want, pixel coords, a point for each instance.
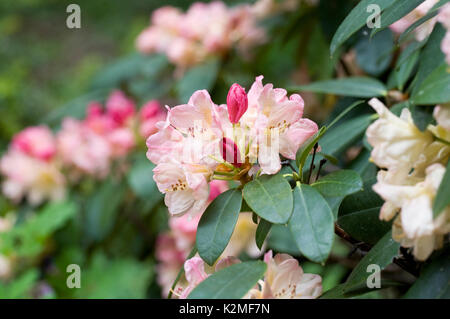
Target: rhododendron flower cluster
{"type": "Point", "coordinates": [31, 167]}
{"type": "Point", "coordinates": [284, 278]}
{"type": "Point", "coordinates": [39, 164]}
{"type": "Point", "coordinates": [414, 163]}
{"type": "Point", "coordinates": [201, 141]}
{"type": "Point", "coordinates": [206, 29]}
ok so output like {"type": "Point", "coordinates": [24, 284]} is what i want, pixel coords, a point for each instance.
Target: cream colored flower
{"type": "Point", "coordinates": [397, 142]}
{"type": "Point", "coordinates": [415, 226]}
{"type": "Point", "coordinates": [285, 279]}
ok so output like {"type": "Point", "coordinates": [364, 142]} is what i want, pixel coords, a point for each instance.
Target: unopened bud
{"type": "Point", "coordinates": [237, 103]}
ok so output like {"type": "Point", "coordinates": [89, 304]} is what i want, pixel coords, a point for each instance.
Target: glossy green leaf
{"type": "Point", "coordinates": [374, 54]}
{"type": "Point", "coordinates": [434, 280]}
{"type": "Point", "coordinates": [435, 88]}
{"type": "Point", "coordinates": [312, 223]}
{"type": "Point", "coordinates": [404, 70]}
{"type": "Point", "coordinates": [352, 86]}
{"type": "Point", "coordinates": [217, 225]}
{"type": "Point", "coordinates": [262, 231]}
{"type": "Point", "coordinates": [339, 183]}
{"type": "Point", "coordinates": [364, 225]}
{"type": "Point", "coordinates": [270, 197]}
{"type": "Point", "coordinates": [431, 57]}
{"type": "Point", "coordinates": [382, 254]}
{"type": "Point", "coordinates": [337, 139]}
{"type": "Point", "coordinates": [395, 12]}
{"type": "Point", "coordinates": [232, 282]}
{"type": "Point", "coordinates": [356, 19]}
{"type": "Point", "coordinates": [442, 198]}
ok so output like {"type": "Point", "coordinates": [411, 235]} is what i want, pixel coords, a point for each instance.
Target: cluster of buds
{"type": "Point", "coordinates": [201, 141]}
{"type": "Point", "coordinates": [39, 163]}
{"type": "Point", "coordinates": [413, 165]}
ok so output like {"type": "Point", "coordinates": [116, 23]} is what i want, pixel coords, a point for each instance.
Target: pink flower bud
{"type": "Point", "coordinates": [237, 103]}
{"type": "Point", "coordinates": [230, 152]}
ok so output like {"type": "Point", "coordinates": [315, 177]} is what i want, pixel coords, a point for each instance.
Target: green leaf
{"type": "Point", "coordinates": [337, 139]}
{"type": "Point", "coordinates": [345, 112]}
{"type": "Point", "coordinates": [404, 68]}
{"type": "Point", "coordinates": [262, 231]}
{"type": "Point", "coordinates": [382, 254]}
{"type": "Point", "coordinates": [281, 239]}
{"type": "Point", "coordinates": [430, 14]}
{"type": "Point", "coordinates": [374, 55]}
{"type": "Point", "coordinates": [435, 89]}
{"type": "Point", "coordinates": [430, 58]}
{"type": "Point", "coordinates": [352, 86]}
{"type": "Point", "coordinates": [339, 183]}
{"type": "Point", "coordinates": [115, 278]}
{"type": "Point", "coordinates": [422, 115]}
{"type": "Point", "coordinates": [199, 77]}
{"type": "Point", "coordinates": [395, 12]}
{"type": "Point", "coordinates": [364, 225]}
{"type": "Point", "coordinates": [442, 199]}
{"type": "Point", "coordinates": [270, 197]}
{"type": "Point", "coordinates": [356, 19]}
{"type": "Point", "coordinates": [140, 179]}
{"type": "Point", "coordinates": [434, 281]}
{"type": "Point", "coordinates": [312, 223]}
{"type": "Point", "coordinates": [28, 238]}
{"type": "Point", "coordinates": [217, 224]}
{"type": "Point", "coordinates": [102, 209]}
{"type": "Point", "coordinates": [20, 287]}
{"type": "Point", "coordinates": [232, 282]}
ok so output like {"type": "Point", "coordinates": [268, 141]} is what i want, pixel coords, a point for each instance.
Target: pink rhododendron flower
{"type": "Point", "coordinates": [204, 30]}
{"type": "Point", "coordinates": [29, 177]}
{"type": "Point", "coordinates": [285, 279]}
{"type": "Point", "coordinates": [150, 114]}
{"type": "Point", "coordinates": [197, 143]}
{"type": "Point", "coordinates": [119, 107]}
{"type": "Point", "coordinates": [83, 149]}
{"type": "Point", "coordinates": [37, 141]}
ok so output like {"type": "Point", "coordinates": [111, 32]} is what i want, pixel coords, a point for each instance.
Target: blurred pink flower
{"type": "Point", "coordinates": [36, 141]}
{"type": "Point", "coordinates": [150, 114]}
{"type": "Point", "coordinates": [204, 30]}
{"type": "Point", "coordinates": [120, 107]}
{"type": "Point", "coordinates": [29, 177]}
{"type": "Point", "coordinates": [444, 18]}
{"type": "Point", "coordinates": [83, 149]}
